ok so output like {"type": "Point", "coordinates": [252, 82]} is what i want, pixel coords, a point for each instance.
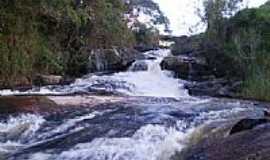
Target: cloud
{"type": "Point", "coordinates": [182, 14]}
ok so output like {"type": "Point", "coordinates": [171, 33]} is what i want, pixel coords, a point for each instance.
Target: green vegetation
{"type": "Point", "coordinates": [250, 40]}
{"type": "Point", "coordinates": [147, 37]}
{"type": "Point", "coordinates": [49, 37]}
{"type": "Point", "coordinates": [242, 47]}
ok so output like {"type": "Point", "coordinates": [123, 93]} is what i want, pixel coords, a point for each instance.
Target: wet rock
{"type": "Point", "coordinates": [147, 47]}
{"type": "Point", "coordinates": [186, 45]}
{"type": "Point", "coordinates": [247, 124]}
{"type": "Point", "coordinates": [66, 80]}
{"type": "Point", "coordinates": [267, 113]}
{"type": "Point", "coordinates": [248, 145]}
{"type": "Point", "coordinates": [39, 80]}
{"type": "Point", "coordinates": [111, 59]}
{"type": "Point", "coordinates": [43, 80]}
{"type": "Point", "coordinates": [26, 104]}
{"type": "Point", "coordinates": [188, 68]}
{"type": "Point", "coordinates": [151, 58]}
{"type": "Point", "coordinates": [214, 88]}
{"type": "Point", "coordinates": [140, 65]}
{"type": "Point", "coordinates": [178, 65]}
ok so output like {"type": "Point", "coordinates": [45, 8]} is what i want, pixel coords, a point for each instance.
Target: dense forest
{"type": "Point", "coordinates": [240, 47]}
{"type": "Point", "coordinates": [54, 37]}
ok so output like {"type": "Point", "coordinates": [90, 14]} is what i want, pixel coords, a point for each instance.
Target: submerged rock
{"type": "Point", "coordinates": [3, 155]}
{"type": "Point", "coordinates": [14, 133]}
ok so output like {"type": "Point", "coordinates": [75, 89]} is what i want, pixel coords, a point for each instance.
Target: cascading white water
{"type": "Point", "coordinates": [153, 81]}
{"type": "Point", "coordinates": [16, 130]}
{"type": "Point", "coordinates": [160, 128]}
{"type": "Point", "coordinates": [151, 141]}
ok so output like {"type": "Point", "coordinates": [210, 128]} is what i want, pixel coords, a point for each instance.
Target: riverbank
{"type": "Point", "coordinates": [225, 61]}
{"type": "Point", "coordinates": [61, 40]}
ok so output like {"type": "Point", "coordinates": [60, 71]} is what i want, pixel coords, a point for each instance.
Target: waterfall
{"type": "Point", "coordinates": [154, 118]}
{"type": "Point", "coordinates": [144, 78]}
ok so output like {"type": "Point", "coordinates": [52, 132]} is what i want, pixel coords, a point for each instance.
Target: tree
{"type": "Point", "coordinates": [49, 36]}
{"type": "Point", "coordinates": [215, 14]}
{"type": "Point", "coordinates": [149, 8]}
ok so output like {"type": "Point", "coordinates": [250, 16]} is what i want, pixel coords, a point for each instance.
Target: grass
{"type": "Point", "coordinates": [257, 85]}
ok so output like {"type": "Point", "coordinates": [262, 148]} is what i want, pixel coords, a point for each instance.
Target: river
{"type": "Point", "coordinates": [154, 118]}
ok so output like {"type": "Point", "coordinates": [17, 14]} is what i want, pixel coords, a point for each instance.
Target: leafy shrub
{"type": "Point", "coordinates": [47, 36]}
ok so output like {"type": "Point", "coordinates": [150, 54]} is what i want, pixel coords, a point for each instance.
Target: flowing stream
{"type": "Point", "coordinates": [155, 118]}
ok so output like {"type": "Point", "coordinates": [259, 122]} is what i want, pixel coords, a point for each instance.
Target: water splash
{"type": "Point", "coordinates": [69, 125]}
{"type": "Point", "coordinates": [17, 131]}
{"type": "Point", "coordinates": [152, 81]}
{"type": "Point", "coordinates": [160, 128]}
{"type": "Point", "coordinates": [21, 127]}
{"type": "Point", "coordinates": [151, 142]}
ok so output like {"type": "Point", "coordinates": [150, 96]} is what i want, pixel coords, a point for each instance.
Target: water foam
{"type": "Point", "coordinates": [151, 142]}
{"type": "Point", "coordinates": [16, 132]}
{"type": "Point", "coordinates": [152, 82]}
{"type": "Point", "coordinates": [27, 124]}
{"type": "Point", "coordinates": [70, 123]}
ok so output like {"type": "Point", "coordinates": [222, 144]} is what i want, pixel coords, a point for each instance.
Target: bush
{"type": "Point", "coordinates": [47, 36]}
{"type": "Point", "coordinates": [250, 43]}
{"type": "Point", "coordinates": [242, 50]}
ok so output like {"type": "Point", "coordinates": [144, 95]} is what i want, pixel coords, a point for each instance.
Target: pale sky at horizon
{"type": "Point", "coordinates": [182, 13]}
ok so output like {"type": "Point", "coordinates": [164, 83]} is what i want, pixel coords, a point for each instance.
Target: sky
{"type": "Point", "coordinates": [182, 14]}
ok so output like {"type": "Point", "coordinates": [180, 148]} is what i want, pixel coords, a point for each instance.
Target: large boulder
{"type": "Point", "coordinates": [188, 68]}
{"type": "Point", "coordinates": [252, 143]}
{"type": "Point", "coordinates": [111, 59]}
{"type": "Point", "coordinates": [215, 88]}
{"type": "Point", "coordinates": [145, 47]}
{"type": "Point", "coordinates": [140, 65]}
{"type": "Point", "coordinates": [187, 45]}
{"type": "Point", "coordinates": [248, 124]}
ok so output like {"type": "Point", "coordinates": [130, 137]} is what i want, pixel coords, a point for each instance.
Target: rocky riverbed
{"type": "Point", "coordinates": [141, 114]}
